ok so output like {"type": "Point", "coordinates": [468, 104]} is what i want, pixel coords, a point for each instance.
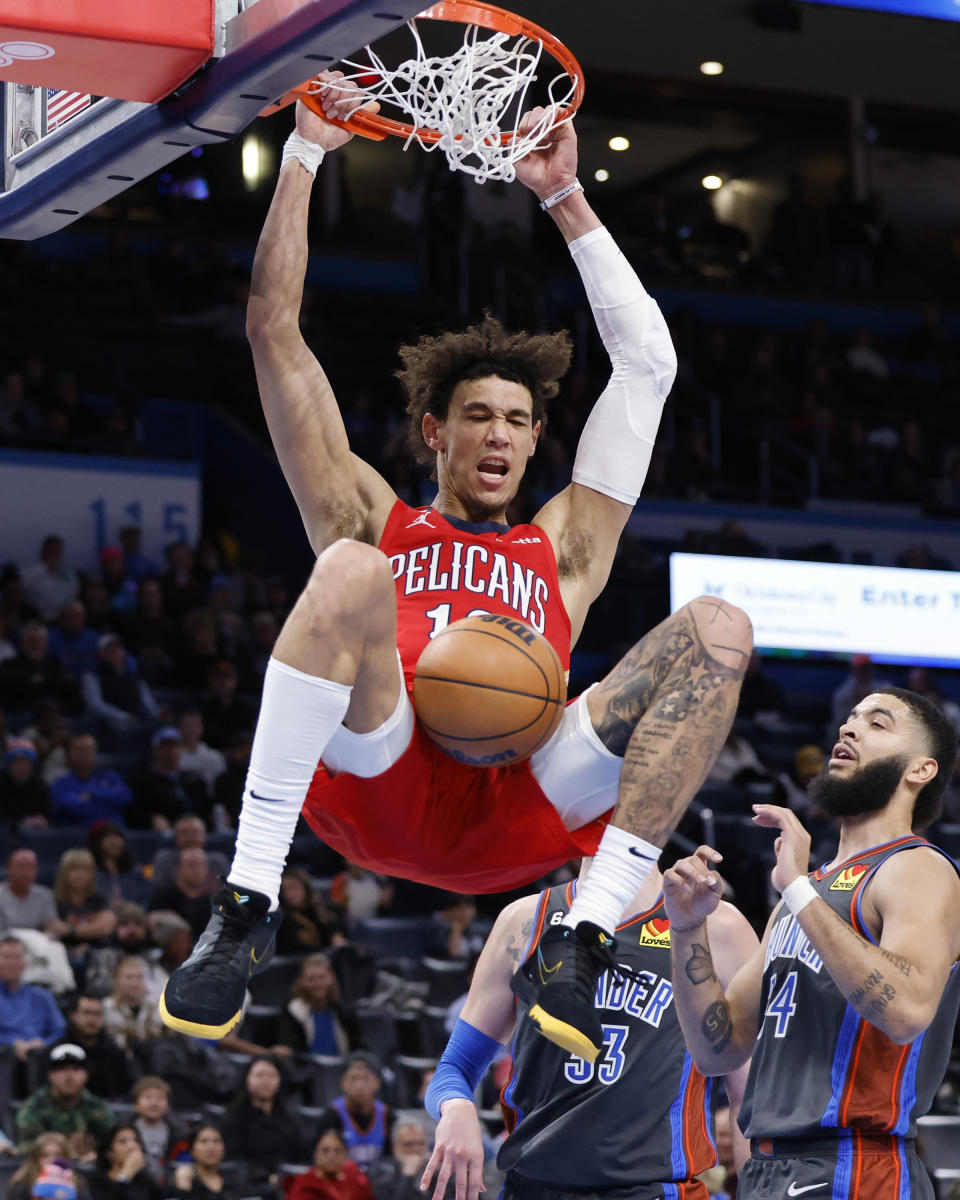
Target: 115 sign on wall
{"type": "Point", "coordinates": [88, 500]}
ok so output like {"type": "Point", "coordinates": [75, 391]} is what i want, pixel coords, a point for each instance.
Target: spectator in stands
{"type": "Point", "coordinates": [922, 680]}
{"type": "Point", "coordinates": [131, 939]}
{"type": "Point", "coordinates": [189, 894]}
{"type": "Point", "coordinates": [50, 583]}
{"type": "Point", "coordinates": [110, 1070]}
{"type": "Point", "coordinates": [129, 1014]}
{"type": "Point", "coordinates": [34, 673]}
{"type": "Point", "coordinates": [121, 589]}
{"type": "Point", "coordinates": [163, 792]}
{"type": "Point", "coordinates": [115, 691]}
{"type": "Point", "coordinates": [19, 415]}
{"type": "Point", "coordinates": [174, 937]}
{"type": "Point", "coordinates": [181, 585]}
{"type": "Point", "coordinates": [119, 876]}
{"type": "Point", "coordinates": [225, 712]}
{"type": "Point", "coordinates": [761, 697]}
{"type": "Point", "coordinates": [89, 918]}
{"type": "Point", "coordinates": [199, 654]}
{"type": "Point", "coordinates": [739, 764]}
{"type": "Point", "coordinates": [50, 736]}
{"type": "Point", "coordinates": [314, 1022]}
{"type": "Point", "coordinates": [201, 1179]}
{"type": "Point", "coordinates": [264, 631]}
{"type": "Point", "coordinates": [808, 762]}
{"type": "Point", "coordinates": [64, 1105]}
{"type": "Point", "coordinates": [7, 648]}
{"type": "Point", "coordinates": [861, 681]}
{"type": "Point", "coordinates": [795, 235]}
{"type": "Point", "coordinates": [260, 1129]}
{"type": "Point", "coordinates": [136, 563]}
{"type": "Point", "coordinates": [85, 794]}
{"type": "Point", "coordinates": [398, 1177]}
{"type": "Point", "coordinates": [152, 635]}
{"type": "Point", "coordinates": [29, 1017]}
{"type": "Point", "coordinates": [360, 893]}
{"type": "Point", "coordinates": [365, 1121]}
{"type": "Point", "coordinates": [121, 1172]}
{"type": "Point", "coordinates": [76, 646]}
{"type": "Point", "coordinates": [228, 790]}
{"type": "Point", "coordinates": [24, 903]}
{"type": "Point", "coordinates": [24, 797]}
{"type": "Point", "coordinates": [189, 832]}
{"type": "Point", "coordinates": [159, 1131]}
{"type": "Point", "coordinates": [196, 757]}
{"type": "Point", "coordinates": [333, 1175]}
{"type": "Point", "coordinates": [43, 1151]}
{"type": "Point", "coordinates": [307, 925]}
{"type": "Point", "coordinates": [919, 557]}
{"type": "Point", "coordinates": [456, 939]}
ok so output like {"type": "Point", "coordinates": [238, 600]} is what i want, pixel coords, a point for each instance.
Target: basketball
{"type": "Point", "coordinates": [489, 690]}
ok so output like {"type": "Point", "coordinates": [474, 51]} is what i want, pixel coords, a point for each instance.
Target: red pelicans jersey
{"type": "Point", "coordinates": [429, 817]}
{"type": "Point", "coordinates": [446, 569]}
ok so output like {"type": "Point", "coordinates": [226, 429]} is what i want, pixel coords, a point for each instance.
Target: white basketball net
{"type": "Point", "coordinates": [470, 97]}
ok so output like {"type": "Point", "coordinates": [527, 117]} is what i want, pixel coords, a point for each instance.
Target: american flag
{"type": "Point", "coordinates": [61, 106]}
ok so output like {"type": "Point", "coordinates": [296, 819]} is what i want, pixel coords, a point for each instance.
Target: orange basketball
{"type": "Point", "coordinates": [489, 690]}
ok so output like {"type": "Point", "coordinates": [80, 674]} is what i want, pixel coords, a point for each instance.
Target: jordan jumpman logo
{"type": "Point", "coordinates": [422, 519]}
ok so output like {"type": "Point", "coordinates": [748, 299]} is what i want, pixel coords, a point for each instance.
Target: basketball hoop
{"type": "Point", "coordinates": [468, 103]}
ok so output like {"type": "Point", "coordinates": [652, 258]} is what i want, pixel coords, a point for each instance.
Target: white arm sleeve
{"type": "Point", "coordinates": [617, 440]}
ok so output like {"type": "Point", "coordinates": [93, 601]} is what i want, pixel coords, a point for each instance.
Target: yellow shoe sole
{"type": "Point", "coordinates": [216, 1032]}
{"type": "Point", "coordinates": [566, 1036]}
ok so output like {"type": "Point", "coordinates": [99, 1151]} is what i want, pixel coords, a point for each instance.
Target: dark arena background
{"type": "Point", "coordinates": [785, 178]}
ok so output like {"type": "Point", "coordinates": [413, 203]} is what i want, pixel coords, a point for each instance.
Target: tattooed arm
{"type": "Point", "coordinates": [490, 1006]}
{"type": "Point", "coordinates": [911, 906]}
{"type": "Point", "coordinates": [716, 966]}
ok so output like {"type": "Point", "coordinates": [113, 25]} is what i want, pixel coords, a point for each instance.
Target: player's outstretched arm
{"type": "Point", "coordinates": [585, 521]}
{"type": "Point", "coordinates": [915, 897]}
{"type": "Point", "coordinates": [337, 493]}
{"type": "Point", "coordinates": [717, 994]}
{"type": "Point", "coordinates": [485, 1023]}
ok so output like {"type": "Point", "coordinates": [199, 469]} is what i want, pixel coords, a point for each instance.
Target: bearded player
{"type": "Point", "coordinates": [388, 576]}
{"type": "Point", "coordinates": [848, 1007]}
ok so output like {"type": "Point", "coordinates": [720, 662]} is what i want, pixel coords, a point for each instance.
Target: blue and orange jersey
{"type": "Point", "coordinates": [818, 1067]}
{"type": "Point", "coordinates": [364, 1146]}
{"type": "Point", "coordinates": [646, 1107]}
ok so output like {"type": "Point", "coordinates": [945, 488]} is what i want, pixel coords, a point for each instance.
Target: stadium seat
{"type": "Point", "coordinates": [326, 1073]}
{"type": "Point", "coordinates": [447, 979]}
{"type": "Point", "coordinates": [405, 937]}
{"type": "Point", "coordinates": [272, 985]}
{"type": "Point", "coordinates": [433, 1032]}
{"type": "Point", "coordinates": [409, 1071]}
{"type": "Point", "coordinates": [50, 843]}
{"type": "Point", "coordinates": [940, 1141]}
{"type": "Point", "coordinates": [260, 1023]}
{"type": "Point", "coordinates": [308, 1118]}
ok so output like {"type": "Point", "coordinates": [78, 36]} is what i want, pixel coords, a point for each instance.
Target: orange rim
{"type": "Point", "coordinates": [466, 12]}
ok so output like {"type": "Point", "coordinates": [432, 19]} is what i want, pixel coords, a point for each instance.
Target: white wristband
{"type": "Point", "coordinates": [797, 895]}
{"type": "Point", "coordinates": [550, 201]}
{"type": "Point", "coordinates": [308, 154]}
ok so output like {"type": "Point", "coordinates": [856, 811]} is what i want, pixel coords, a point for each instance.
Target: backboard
{"type": "Point", "coordinates": [53, 173]}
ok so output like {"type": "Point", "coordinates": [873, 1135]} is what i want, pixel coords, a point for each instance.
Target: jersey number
{"type": "Point", "coordinates": [782, 1006]}
{"type": "Point", "coordinates": [440, 616]}
{"type": "Point", "coordinates": [610, 1067]}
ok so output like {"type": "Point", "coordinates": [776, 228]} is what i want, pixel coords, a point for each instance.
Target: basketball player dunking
{"type": "Point", "coordinates": [855, 987]}
{"type": "Point", "coordinates": [387, 576]}
{"type": "Point", "coordinates": [643, 1106]}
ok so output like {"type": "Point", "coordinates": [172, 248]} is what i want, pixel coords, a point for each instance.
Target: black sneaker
{"type": "Point", "coordinates": [204, 996]}
{"type": "Point", "coordinates": [559, 982]}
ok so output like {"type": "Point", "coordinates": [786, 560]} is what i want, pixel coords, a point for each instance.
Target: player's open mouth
{"type": "Point", "coordinates": [842, 753]}
{"type": "Point", "coordinates": [492, 471]}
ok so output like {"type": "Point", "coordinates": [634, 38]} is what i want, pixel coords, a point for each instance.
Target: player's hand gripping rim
{"type": "Point", "coordinates": [457, 1151]}
{"type": "Point", "coordinates": [691, 891]}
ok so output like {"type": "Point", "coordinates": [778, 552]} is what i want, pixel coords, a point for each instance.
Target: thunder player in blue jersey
{"type": "Point", "coordinates": [636, 1123]}
{"type": "Point", "coordinates": [848, 1007]}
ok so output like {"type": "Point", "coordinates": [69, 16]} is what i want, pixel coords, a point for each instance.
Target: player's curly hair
{"type": "Point", "coordinates": [941, 739]}
{"type": "Point", "coordinates": [434, 366]}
